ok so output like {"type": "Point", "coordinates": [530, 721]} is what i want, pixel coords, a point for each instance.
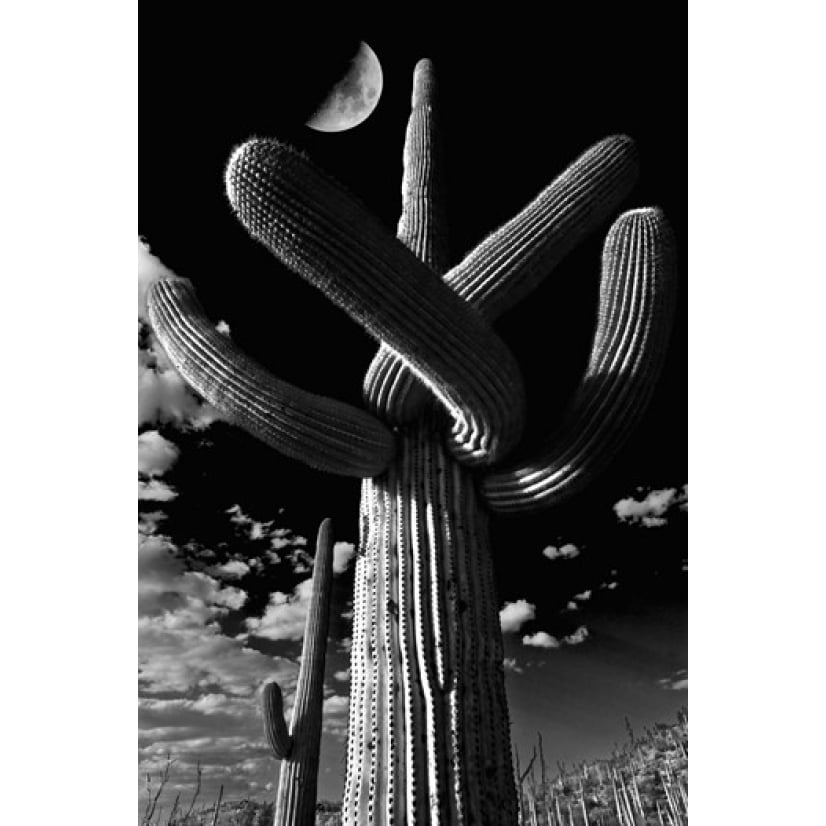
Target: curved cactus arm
{"type": "Point", "coordinates": [323, 433]}
{"type": "Point", "coordinates": [509, 264]}
{"type": "Point", "coordinates": [296, 799]}
{"type": "Point", "coordinates": [423, 230]}
{"type": "Point", "coordinates": [272, 704]}
{"type": "Point", "coordinates": [314, 226]}
{"type": "Point", "coordinates": [637, 298]}
{"type": "Point", "coordinates": [515, 259]}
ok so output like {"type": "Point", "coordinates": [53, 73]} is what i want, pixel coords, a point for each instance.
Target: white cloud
{"type": "Point", "coordinates": [585, 595]}
{"type": "Point", "coordinates": [572, 606]}
{"type": "Point", "coordinates": [155, 453]}
{"type": "Point", "coordinates": [148, 522]}
{"type": "Point", "coordinates": [234, 569]}
{"type": "Point", "coordinates": [652, 510]}
{"type": "Point", "coordinates": [609, 585]}
{"type": "Point", "coordinates": [179, 659]}
{"type": "Point", "coordinates": [577, 637]}
{"type": "Point", "coordinates": [301, 561]}
{"type": "Point", "coordinates": [223, 328]}
{"type": "Point", "coordinates": [567, 551]}
{"type": "Point", "coordinates": [284, 536]}
{"type": "Point", "coordinates": [255, 529]}
{"type": "Point", "coordinates": [182, 712]}
{"type": "Point", "coordinates": [676, 682]}
{"type": "Point", "coordinates": [285, 615]}
{"type": "Point", "coordinates": [150, 268]}
{"type": "Point", "coordinates": [541, 639]}
{"type": "Point", "coordinates": [515, 614]}
{"type": "Point", "coordinates": [335, 714]}
{"type": "Point", "coordinates": [155, 491]}
{"type": "Point", "coordinates": [343, 552]}
{"type": "Point", "coordinates": [163, 395]}
{"type": "Point", "coordinates": [278, 539]}
{"type": "Point", "coordinates": [203, 706]}
{"type": "Point", "coordinates": [511, 665]}
{"type": "Point", "coordinates": [182, 598]}
{"type": "Point", "coordinates": [180, 644]}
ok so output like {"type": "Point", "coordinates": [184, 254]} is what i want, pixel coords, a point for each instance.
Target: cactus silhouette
{"type": "Point", "coordinates": [428, 737]}
{"type": "Point", "coordinates": [298, 748]}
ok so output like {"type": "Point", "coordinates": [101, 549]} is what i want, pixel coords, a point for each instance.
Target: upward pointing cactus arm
{"type": "Point", "coordinates": [391, 390]}
{"type": "Point", "coordinates": [637, 298]}
{"type": "Point", "coordinates": [517, 257]}
{"type": "Point", "coordinates": [636, 309]}
{"type": "Point", "coordinates": [434, 334]}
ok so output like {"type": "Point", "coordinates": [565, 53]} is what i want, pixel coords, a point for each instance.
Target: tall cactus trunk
{"type": "Point", "coordinates": [299, 749]}
{"type": "Point", "coordinates": [429, 737]}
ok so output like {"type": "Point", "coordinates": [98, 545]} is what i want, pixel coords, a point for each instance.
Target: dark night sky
{"type": "Point", "coordinates": [520, 98]}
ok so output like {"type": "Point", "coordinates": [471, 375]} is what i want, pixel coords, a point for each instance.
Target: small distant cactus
{"type": "Point", "coordinates": [298, 748]}
{"type": "Point", "coordinates": [428, 738]}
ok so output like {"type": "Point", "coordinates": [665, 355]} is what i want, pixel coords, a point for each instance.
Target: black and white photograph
{"type": "Point", "coordinates": [412, 426]}
{"type": "Point", "coordinates": [439, 307]}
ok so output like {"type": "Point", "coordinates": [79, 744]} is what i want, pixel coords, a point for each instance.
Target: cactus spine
{"type": "Point", "coordinates": [429, 732]}
{"type": "Point", "coordinates": [298, 748]}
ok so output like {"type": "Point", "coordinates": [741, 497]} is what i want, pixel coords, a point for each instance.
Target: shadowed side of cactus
{"type": "Point", "coordinates": [422, 228]}
{"type": "Point", "coordinates": [324, 433]}
{"type": "Point", "coordinates": [275, 727]}
{"type": "Point", "coordinates": [429, 727]}
{"type": "Point", "coordinates": [515, 259]}
{"type": "Point", "coordinates": [428, 737]}
{"type": "Point", "coordinates": [323, 233]}
{"type": "Point", "coordinates": [299, 748]}
{"type": "Point", "coordinates": [636, 309]}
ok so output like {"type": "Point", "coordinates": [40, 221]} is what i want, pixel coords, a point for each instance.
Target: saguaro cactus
{"type": "Point", "coordinates": [298, 748]}
{"type": "Point", "coordinates": [429, 730]}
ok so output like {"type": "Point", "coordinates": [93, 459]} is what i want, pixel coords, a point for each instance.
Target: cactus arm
{"type": "Point", "coordinates": [272, 704]}
{"type": "Point", "coordinates": [423, 225]}
{"type": "Point", "coordinates": [423, 230]}
{"type": "Point", "coordinates": [637, 297]}
{"type": "Point", "coordinates": [296, 799]}
{"type": "Point", "coordinates": [509, 264]}
{"type": "Point", "coordinates": [314, 226]}
{"type": "Point", "coordinates": [323, 433]}
{"type": "Point", "coordinates": [515, 259]}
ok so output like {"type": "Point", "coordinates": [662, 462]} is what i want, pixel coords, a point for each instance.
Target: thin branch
{"type": "Point", "coordinates": [199, 772]}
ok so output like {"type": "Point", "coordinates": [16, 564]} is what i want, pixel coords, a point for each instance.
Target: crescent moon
{"type": "Point", "coordinates": [353, 98]}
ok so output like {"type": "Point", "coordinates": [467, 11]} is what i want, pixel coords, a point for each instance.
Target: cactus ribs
{"type": "Point", "coordinates": [429, 728]}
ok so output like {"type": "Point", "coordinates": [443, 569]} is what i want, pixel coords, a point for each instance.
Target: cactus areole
{"type": "Point", "coordinates": [428, 738]}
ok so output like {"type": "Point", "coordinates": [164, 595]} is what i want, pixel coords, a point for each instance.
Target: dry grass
{"type": "Point", "coordinates": [644, 783]}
